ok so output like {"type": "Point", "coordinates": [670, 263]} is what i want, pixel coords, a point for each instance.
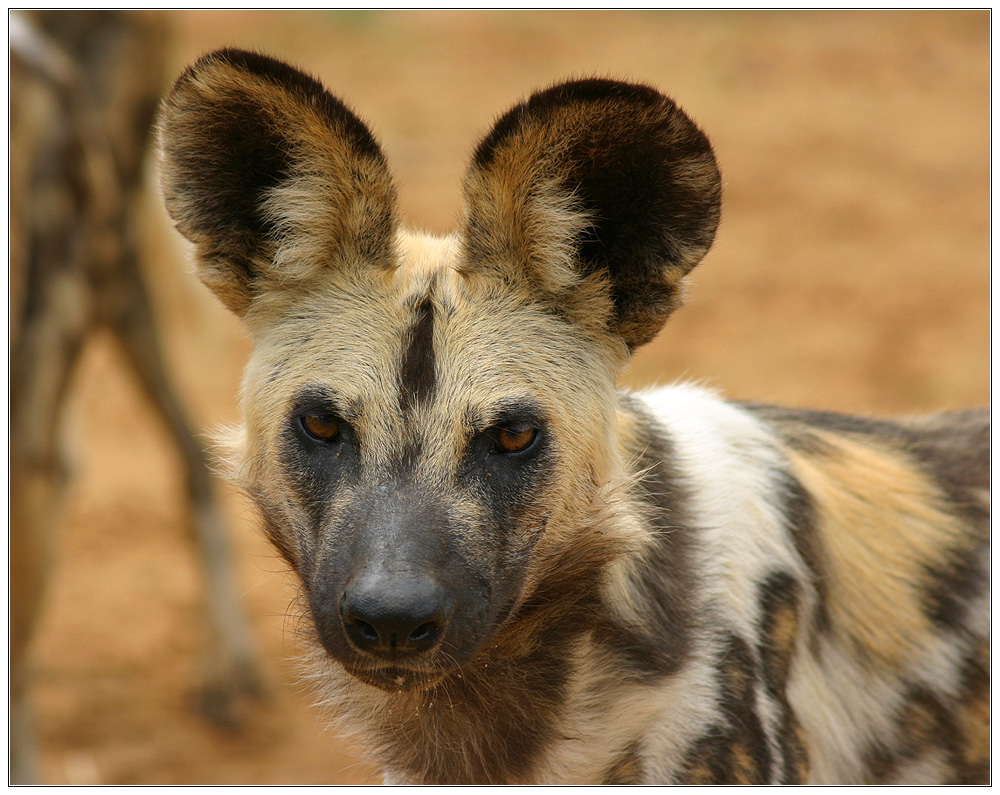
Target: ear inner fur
{"type": "Point", "coordinates": [595, 178]}
{"type": "Point", "coordinates": [270, 176]}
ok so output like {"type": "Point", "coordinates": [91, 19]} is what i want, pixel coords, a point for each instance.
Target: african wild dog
{"type": "Point", "coordinates": [80, 121]}
{"type": "Point", "coordinates": [515, 572]}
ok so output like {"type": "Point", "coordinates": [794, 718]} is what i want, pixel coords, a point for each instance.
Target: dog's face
{"type": "Point", "coordinates": [411, 441]}
{"type": "Point", "coordinates": [427, 420]}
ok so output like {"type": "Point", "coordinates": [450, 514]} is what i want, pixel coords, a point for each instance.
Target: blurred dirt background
{"type": "Point", "coordinates": [851, 272]}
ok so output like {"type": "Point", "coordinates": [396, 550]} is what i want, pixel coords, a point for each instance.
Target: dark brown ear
{"type": "Point", "coordinates": [270, 176]}
{"type": "Point", "coordinates": [595, 180]}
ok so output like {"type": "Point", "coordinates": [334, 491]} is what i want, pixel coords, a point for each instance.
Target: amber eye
{"type": "Point", "coordinates": [515, 438]}
{"type": "Point", "coordinates": [323, 427]}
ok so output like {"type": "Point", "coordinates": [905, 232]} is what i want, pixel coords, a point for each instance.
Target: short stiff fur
{"type": "Point", "coordinates": [515, 572]}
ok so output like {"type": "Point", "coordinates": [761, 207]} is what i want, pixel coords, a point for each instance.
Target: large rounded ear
{"type": "Point", "coordinates": [595, 181]}
{"type": "Point", "coordinates": [271, 177]}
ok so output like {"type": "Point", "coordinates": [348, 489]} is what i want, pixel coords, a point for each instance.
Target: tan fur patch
{"type": "Point", "coordinates": [881, 526]}
{"type": "Point", "coordinates": [784, 634]}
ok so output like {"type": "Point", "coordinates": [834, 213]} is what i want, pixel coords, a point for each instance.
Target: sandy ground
{"type": "Point", "coordinates": [851, 272]}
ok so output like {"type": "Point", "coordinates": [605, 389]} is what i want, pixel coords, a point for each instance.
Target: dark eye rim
{"type": "Point", "coordinates": [326, 415]}
{"type": "Point", "coordinates": [515, 428]}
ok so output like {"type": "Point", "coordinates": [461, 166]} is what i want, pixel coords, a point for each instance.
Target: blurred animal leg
{"type": "Point", "coordinates": [232, 669]}
{"type": "Point", "coordinates": [44, 354]}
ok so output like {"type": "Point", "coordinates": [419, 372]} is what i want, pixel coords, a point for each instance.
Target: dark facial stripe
{"type": "Point", "coordinates": [416, 373]}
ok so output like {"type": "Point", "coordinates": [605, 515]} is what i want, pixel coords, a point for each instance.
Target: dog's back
{"type": "Point", "coordinates": [841, 580]}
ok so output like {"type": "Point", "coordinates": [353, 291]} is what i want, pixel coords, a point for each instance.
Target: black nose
{"type": "Point", "coordinates": [393, 617]}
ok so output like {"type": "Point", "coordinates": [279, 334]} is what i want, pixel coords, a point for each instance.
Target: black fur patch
{"type": "Point", "coordinates": [297, 83]}
{"type": "Point", "coordinates": [506, 484]}
{"type": "Point", "coordinates": [227, 149]}
{"type": "Point", "coordinates": [318, 468]}
{"type": "Point", "coordinates": [963, 577]}
{"type": "Point", "coordinates": [801, 525]}
{"type": "Point", "coordinates": [779, 628]}
{"type": "Point", "coordinates": [542, 103]}
{"type": "Point", "coordinates": [416, 373]}
{"type": "Point", "coordinates": [734, 752]}
{"type": "Point", "coordinates": [231, 171]}
{"type": "Point", "coordinates": [665, 581]}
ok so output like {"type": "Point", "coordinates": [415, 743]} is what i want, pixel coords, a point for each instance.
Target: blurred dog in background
{"type": "Point", "coordinates": [84, 90]}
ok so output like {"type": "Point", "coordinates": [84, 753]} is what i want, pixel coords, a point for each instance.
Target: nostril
{"type": "Point", "coordinates": [424, 633]}
{"type": "Point", "coordinates": [364, 631]}
{"type": "Point", "coordinates": [392, 617]}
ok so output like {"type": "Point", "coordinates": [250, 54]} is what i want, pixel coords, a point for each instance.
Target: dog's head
{"type": "Point", "coordinates": [428, 421]}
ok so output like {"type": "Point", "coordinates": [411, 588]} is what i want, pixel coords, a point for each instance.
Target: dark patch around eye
{"type": "Point", "coordinates": [512, 413]}
{"type": "Point", "coordinates": [324, 401]}
{"type": "Point", "coordinates": [508, 485]}
{"type": "Point", "coordinates": [318, 466]}
{"type": "Point", "coordinates": [511, 427]}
